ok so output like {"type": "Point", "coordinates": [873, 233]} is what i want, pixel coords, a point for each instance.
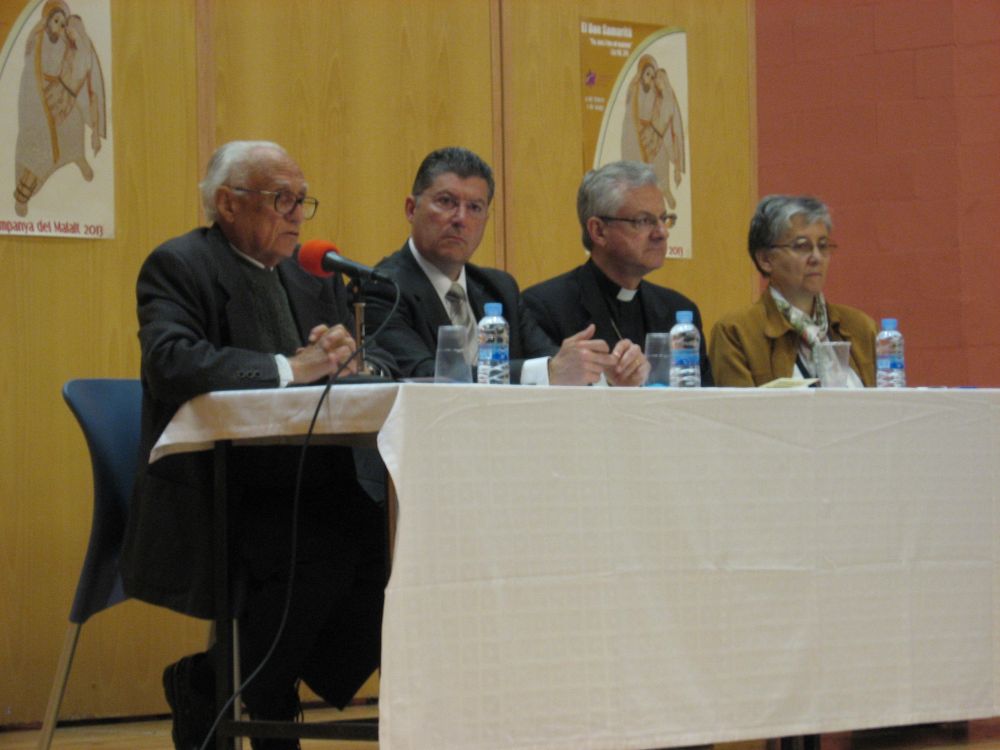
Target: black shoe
{"type": "Point", "coordinates": [192, 711]}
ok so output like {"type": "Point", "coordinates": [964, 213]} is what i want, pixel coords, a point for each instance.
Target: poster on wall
{"type": "Point", "coordinates": [56, 150]}
{"type": "Point", "coordinates": [635, 107]}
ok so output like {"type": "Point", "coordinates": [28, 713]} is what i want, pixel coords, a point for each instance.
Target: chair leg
{"type": "Point", "coordinates": [237, 681]}
{"type": "Point", "coordinates": [237, 705]}
{"type": "Point", "coordinates": [59, 686]}
{"type": "Point", "coordinates": [237, 673]}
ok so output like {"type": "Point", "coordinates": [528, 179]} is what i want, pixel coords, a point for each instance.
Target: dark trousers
{"type": "Point", "coordinates": [331, 638]}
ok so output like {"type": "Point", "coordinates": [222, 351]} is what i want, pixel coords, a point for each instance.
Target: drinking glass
{"type": "Point", "coordinates": [449, 364]}
{"type": "Point", "coordinates": [833, 363]}
{"type": "Point", "coordinates": [657, 352]}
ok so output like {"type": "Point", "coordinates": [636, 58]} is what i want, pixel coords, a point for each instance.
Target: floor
{"type": "Point", "coordinates": [155, 735]}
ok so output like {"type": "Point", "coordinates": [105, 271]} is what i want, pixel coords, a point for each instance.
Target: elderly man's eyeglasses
{"type": "Point", "coordinates": [803, 246]}
{"type": "Point", "coordinates": [286, 202]}
{"type": "Point", "coordinates": [645, 223]}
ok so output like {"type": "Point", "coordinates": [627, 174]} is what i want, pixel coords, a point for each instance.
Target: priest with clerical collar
{"type": "Point", "coordinates": [625, 227]}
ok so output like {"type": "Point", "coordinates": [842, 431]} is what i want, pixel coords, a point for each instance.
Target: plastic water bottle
{"type": "Point", "coordinates": [890, 368]}
{"type": "Point", "coordinates": [493, 367]}
{"type": "Point", "coordinates": [685, 352]}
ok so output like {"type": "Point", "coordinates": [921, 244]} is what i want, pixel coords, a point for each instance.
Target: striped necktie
{"type": "Point", "coordinates": [461, 315]}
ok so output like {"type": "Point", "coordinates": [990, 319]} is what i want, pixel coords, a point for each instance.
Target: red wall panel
{"type": "Point", "coordinates": [889, 110]}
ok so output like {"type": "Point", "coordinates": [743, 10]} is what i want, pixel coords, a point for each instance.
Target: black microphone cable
{"type": "Point", "coordinates": [295, 524]}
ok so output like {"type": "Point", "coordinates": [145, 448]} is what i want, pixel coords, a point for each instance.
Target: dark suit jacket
{"type": "Point", "coordinates": [410, 335]}
{"type": "Point", "coordinates": [196, 331]}
{"type": "Point", "coordinates": [570, 302]}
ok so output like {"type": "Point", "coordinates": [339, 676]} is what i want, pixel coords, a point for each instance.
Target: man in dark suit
{"type": "Point", "coordinates": [228, 307]}
{"type": "Point", "coordinates": [447, 210]}
{"type": "Point", "coordinates": [625, 227]}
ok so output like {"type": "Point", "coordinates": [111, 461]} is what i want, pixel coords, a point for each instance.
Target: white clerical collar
{"type": "Point", "coordinates": [626, 295]}
{"type": "Point", "coordinates": [439, 280]}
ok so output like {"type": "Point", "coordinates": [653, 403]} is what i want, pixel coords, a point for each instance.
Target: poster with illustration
{"type": "Point", "coordinates": [57, 157]}
{"type": "Point", "coordinates": [635, 107]}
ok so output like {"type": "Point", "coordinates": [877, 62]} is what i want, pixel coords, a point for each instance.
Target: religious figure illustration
{"type": "Point", "coordinates": [61, 95]}
{"type": "Point", "coordinates": [653, 131]}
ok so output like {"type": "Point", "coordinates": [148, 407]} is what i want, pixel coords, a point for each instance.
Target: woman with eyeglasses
{"type": "Point", "coordinates": [790, 244]}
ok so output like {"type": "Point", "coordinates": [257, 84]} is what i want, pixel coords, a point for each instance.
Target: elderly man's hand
{"type": "Point", "coordinates": [581, 359]}
{"type": "Point", "coordinates": [631, 367]}
{"type": "Point", "coordinates": [328, 349]}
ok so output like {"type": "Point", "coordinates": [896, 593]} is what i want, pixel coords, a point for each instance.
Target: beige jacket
{"type": "Point", "coordinates": [756, 345]}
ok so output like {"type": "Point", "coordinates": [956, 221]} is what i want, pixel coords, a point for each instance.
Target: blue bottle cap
{"type": "Point", "coordinates": [889, 324]}
{"type": "Point", "coordinates": [493, 309]}
{"type": "Point", "coordinates": [685, 316]}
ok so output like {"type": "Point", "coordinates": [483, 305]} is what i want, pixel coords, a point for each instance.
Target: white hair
{"type": "Point", "coordinates": [231, 161]}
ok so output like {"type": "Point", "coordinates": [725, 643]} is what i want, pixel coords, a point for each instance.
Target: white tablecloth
{"type": "Point", "coordinates": [609, 568]}
{"type": "Point", "coordinates": [273, 415]}
{"type": "Point", "coordinates": [587, 568]}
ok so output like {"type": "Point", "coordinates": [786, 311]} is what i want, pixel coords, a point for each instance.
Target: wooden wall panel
{"type": "Point", "coordinates": [359, 93]}
{"type": "Point", "coordinates": [542, 127]}
{"type": "Point", "coordinates": [68, 310]}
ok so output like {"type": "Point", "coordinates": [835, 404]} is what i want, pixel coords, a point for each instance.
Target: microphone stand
{"type": "Point", "coordinates": [358, 295]}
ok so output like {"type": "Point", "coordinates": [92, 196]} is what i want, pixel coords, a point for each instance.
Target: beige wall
{"type": "Point", "coordinates": [359, 91]}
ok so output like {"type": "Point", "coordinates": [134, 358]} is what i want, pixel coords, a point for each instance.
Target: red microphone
{"type": "Point", "coordinates": [322, 258]}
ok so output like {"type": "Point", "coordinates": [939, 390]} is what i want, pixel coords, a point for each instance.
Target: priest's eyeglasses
{"type": "Point", "coordinates": [645, 223]}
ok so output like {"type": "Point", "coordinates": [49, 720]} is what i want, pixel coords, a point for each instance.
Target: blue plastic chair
{"type": "Point", "coordinates": [109, 412]}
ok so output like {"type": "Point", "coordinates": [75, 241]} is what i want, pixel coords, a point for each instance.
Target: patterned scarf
{"type": "Point", "coordinates": [811, 328]}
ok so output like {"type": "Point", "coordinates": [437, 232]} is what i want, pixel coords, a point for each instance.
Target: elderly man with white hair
{"type": "Point", "coordinates": [228, 307]}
